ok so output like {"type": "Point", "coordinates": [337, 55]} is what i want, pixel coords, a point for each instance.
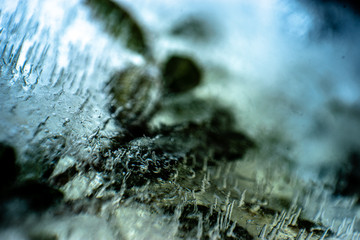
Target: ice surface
{"type": "Point", "coordinates": [54, 68]}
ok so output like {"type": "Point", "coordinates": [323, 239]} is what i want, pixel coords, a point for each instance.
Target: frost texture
{"type": "Point", "coordinates": [53, 78]}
